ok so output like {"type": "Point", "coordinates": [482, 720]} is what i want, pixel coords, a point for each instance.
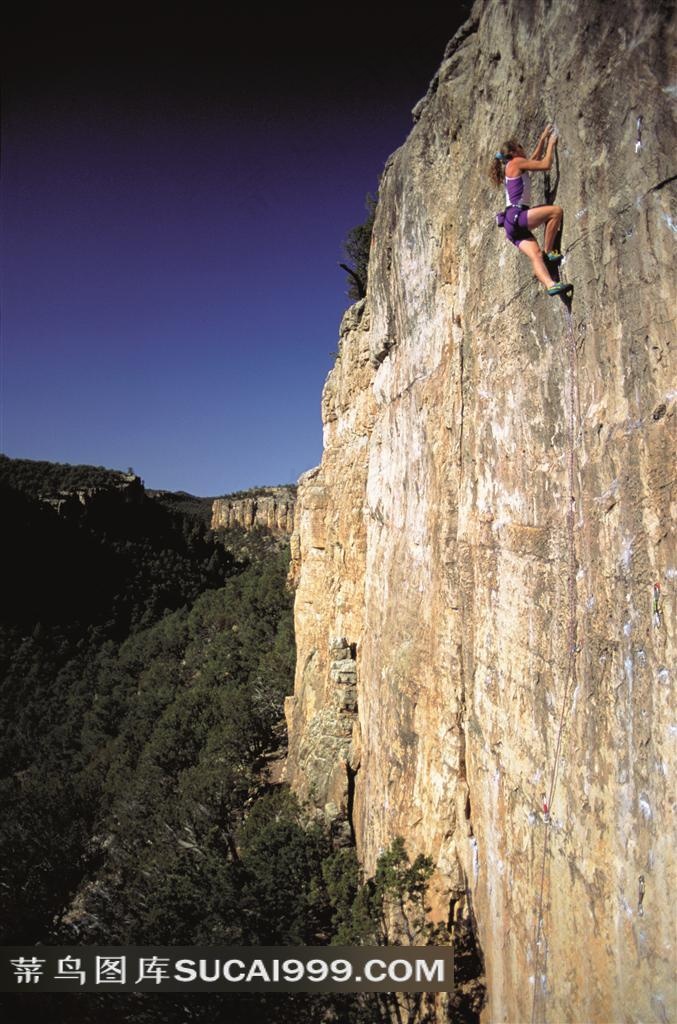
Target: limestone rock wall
{"type": "Point", "coordinates": [272, 509]}
{"type": "Point", "coordinates": [491, 515]}
{"type": "Point", "coordinates": [493, 511]}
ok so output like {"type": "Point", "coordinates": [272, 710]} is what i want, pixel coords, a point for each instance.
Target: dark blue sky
{"type": "Point", "coordinates": [176, 188]}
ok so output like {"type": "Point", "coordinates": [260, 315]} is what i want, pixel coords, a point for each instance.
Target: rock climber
{"type": "Point", "coordinates": [511, 167]}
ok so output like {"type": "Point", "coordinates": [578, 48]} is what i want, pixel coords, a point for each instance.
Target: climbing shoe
{"type": "Point", "coordinates": [554, 257]}
{"type": "Point", "coordinates": [561, 289]}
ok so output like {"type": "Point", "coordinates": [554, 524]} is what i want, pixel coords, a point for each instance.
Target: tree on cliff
{"type": "Point", "coordinates": [388, 909]}
{"type": "Point", "coordinates": [356, 247]}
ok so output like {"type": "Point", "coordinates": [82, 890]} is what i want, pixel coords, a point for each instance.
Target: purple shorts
{"type": "Point", "coordinates": [515, 224]}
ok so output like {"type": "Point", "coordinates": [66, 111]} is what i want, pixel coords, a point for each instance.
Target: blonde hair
{"type": "Point", "coordinates": [505, 153]}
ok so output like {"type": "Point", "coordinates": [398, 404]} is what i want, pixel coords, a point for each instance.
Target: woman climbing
{"type": "Point", "coordinates": [511, 167]}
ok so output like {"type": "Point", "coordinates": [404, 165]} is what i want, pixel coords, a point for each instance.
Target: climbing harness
{"type": "Point", "coordinates": [540, 946]}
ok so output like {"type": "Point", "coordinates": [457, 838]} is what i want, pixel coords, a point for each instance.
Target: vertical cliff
{"type": "Point", "coordinates": [270, 508]}
{"type": "Point", "coordinates": [482, 539]}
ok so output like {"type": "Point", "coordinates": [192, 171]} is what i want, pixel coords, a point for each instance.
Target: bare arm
{"type": "Point", "coordinates": [538, 152]}
{"type": "Point", "coordinates": [518, 164]}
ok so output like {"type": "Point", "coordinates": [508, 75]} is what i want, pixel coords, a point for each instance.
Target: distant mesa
{"type": "Point", "coordinates": [73, 491]}
{"type": "Point", "coordinates": [271, 508]}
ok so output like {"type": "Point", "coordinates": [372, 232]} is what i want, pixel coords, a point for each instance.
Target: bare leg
{"type": "Point", "coordinates": [531, 249]}
{"type": "Point", "coordinates": [552, 229]}
{"type": "Point", "coordinates": [551, 216]}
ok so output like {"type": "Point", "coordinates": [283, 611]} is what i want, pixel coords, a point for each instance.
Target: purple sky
{"type": "Point", "coordinates": [174, 197]}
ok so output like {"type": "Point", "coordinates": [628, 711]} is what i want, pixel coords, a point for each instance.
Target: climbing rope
{"type": "Point", "coordinates": [540, 945]}
{"type": "Point", "coordinates": [571, 546]}
{"type": "Point", "coordinates": [541, 962]}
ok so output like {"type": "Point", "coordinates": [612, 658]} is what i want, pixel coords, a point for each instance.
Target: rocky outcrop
{"type": "Point", "coordinates": [493, 512]}
{"type": "Point", "coordinates": [324, 750]}
{"type": "Point", "coordinates": [121, 489]}
{"type": "Point", "coordinates": [272, 509]}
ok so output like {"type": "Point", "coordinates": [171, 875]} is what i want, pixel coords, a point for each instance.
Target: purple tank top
{"type": "Point", "coordinates": [518, 190]}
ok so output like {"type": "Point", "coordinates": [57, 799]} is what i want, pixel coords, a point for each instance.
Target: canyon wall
{"type": "Point", "coordinates": [484, 561]}
{"type": "Point", "coordinates": [272, 509]}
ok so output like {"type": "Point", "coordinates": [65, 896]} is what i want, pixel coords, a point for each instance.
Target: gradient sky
{"type": "Point", "coordinates": [175, 190]}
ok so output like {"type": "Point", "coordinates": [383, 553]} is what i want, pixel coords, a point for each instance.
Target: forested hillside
{"type": "Point", "coordinates": [145, 662]}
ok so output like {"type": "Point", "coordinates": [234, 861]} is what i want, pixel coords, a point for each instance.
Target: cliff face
{"type": "Point", "coordinates": [491, 515]}
{"type": "Point", "coordinates": [122, 489]}
{"type": "Point", "coordinates": [272, 509]}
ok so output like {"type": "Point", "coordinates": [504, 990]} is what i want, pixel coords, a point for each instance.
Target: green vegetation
{"type": "Point", "coordinates": [36, 478]}
{"type": "Point", "coordinates": [144, 669]}
{"type": "Point", "coordinates": [185, 503]}
{"type": "Point", "coordinates": [356, 247]}
{"type": "Point", "coordinates": [114, 564]}
{"type": "Point", "coordinates": [260, 492]}
{"type": "Point", "coordinates": [389, 909]}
